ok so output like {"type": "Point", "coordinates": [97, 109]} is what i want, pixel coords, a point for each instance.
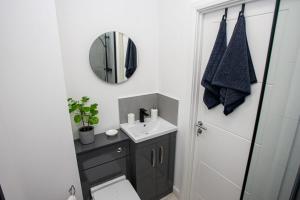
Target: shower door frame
{"type": "Point", "coordinates": [261, 98]}
{"type": "Point", "coordinates": [200, 10]}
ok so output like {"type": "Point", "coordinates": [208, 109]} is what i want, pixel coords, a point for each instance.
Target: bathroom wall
{"type": "Point", "coordinates": [164, 34]}
{"type": "Point", "coordinates": [176, 25]}
{"type": "Point", "coordinates": [177, 20]}
{"type": "Point", "coordinates": [80, 22]}
{"type": "Point", "coordinates": [160, 30]}
{"type": "Point", "coordinates": [37, 156]}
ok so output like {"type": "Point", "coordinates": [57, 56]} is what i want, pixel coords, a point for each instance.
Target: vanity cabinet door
{"type": "Point", "coordinates": [166, 162]}
{"type": "Point", "coordinates": [154, 167]}
{"type": "Point", "coordinates": [145, 171]}
{"type": "Point", "coordinates": [162, 168]}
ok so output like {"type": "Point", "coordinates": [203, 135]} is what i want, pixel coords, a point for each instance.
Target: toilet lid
{"type": "Point", "coordinates": [117, 189]}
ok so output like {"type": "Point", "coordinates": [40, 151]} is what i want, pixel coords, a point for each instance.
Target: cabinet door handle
{"type": "Point", "coordinates": [161, 154]}
{"type": "Point", "coordinates": [119, 150]}
{"type": "Point", "coordinates": [153, 157]}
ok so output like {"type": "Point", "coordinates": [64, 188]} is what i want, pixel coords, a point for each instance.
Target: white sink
{"type": "Point", "coordinates": [141, 131]}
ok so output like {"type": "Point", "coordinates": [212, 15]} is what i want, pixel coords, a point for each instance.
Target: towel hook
{"type": "Point", "coordinates": [72, 190]}
{"type": "Point", "coordinates": [243, 9]}
{"type": "Point", "coordinates": [225, 14]}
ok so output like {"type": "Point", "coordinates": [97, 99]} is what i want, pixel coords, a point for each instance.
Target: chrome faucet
{"type": "Point", "coordinates": [143, 113]}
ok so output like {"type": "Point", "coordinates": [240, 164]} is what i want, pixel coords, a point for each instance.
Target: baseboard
{"type": "Point", "coordinates": [176, 191]}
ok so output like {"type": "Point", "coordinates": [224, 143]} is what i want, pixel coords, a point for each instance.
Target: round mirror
{"type": "Point", "coordinates": [113, 57]}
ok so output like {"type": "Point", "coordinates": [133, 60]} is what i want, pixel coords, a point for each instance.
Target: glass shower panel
{"type": "Point", "coordinates": [275, 160]}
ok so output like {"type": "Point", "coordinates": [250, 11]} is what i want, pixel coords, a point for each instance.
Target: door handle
{"type": "Point", "coordinates": [153, 157]}
{"type": "Point", "coordinates": [200, 128]}
{"type": "Point", "coordinates": [161, 154]}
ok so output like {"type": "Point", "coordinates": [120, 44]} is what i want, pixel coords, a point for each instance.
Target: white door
{"type": "Point", "coordinates": [222, 150]}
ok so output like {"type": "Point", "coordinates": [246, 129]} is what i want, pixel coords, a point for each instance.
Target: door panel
{"type": "Point", "coordinates": [214, 186]}
{"type": "Point", "coordinates": [222, 150]}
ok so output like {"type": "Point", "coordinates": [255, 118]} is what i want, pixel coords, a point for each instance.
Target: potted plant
{"type": "Point", "coordinates": [86, 115]}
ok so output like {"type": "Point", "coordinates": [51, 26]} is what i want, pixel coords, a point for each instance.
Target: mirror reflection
{"type": "Point", "coordinates": [113, 57]}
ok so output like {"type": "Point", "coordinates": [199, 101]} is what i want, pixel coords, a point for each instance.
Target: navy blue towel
{"type": "Point", "coordinates": [1, 194]}
{"type": "Point", "coordinates": [235, 73]}
{"type": "Point", "coordinates": [211, 96]}
{"type": "Point", "coordinates": [131, 58]}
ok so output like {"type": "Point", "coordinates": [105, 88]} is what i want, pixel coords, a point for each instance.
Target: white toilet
{"type": "Point", "coordinates": [116, 189]}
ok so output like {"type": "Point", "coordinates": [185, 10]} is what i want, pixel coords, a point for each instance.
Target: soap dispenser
{"type": "Point", "coordinates": [154, 113]}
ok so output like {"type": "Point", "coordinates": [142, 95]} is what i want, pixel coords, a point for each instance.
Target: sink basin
{"type": "Point", "coordinates": [141, 131]}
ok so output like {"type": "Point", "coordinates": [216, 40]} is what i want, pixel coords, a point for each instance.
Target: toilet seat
{"type": "Point", "coordinates": [116, 189]}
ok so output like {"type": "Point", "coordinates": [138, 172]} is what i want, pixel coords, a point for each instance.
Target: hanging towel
{"type": "Point", "coordinates": [131, 59]}
{"type": "Point", "coordinates": [211, 96]}
{"type": "Point", "coordinates": [1, 194]}
{"type": "Point", "coordinates": [235, 73]}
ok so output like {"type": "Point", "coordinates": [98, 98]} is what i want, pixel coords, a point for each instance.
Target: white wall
{"type": "Point", "coordinates": [36, 148]}
{"type": "Point", "coordinates": [176, 31]}
{"type": "Point", "coordinates": [80, 22]}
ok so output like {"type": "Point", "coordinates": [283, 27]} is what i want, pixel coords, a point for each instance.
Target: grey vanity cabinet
{"type": "Point", "coordinates": [153, 166]}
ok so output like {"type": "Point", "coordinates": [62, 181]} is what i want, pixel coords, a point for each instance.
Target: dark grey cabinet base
{"type": "Point", "coordinates": [148, 165]}
{"type": "Point", "coordinates": [103, 160]}
{"type": "Point", "coordinates": [152, 168]}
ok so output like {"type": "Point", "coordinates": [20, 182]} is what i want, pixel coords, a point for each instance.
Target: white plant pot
{"type": "Point", "coordinates": [86, 134]}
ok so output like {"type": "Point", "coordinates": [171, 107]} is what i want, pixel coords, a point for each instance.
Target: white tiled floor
{"type": "Point", "coordinates": [170, 197]}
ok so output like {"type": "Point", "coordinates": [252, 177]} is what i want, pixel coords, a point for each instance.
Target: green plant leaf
{"type": "Point", "coordinates": [94, 112]}
{"type": "Point", "coordinates": [85, 99]}
{"type": "Point", "coordinates": [73, 107]}
{"type": "Point", "coordinates": [77, 118]}
{"type": "Point", "coordinates": [80, 107]}
{"type": "Point", "coordinates": [86, 109]}
{"type": "Point", "coordinates": [93, 120]}
{"type": "Point", "coordinates": [94, 106]}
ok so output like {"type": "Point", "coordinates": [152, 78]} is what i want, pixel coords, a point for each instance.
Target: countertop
{"type": "Point", "coordinates": [101, 140]}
